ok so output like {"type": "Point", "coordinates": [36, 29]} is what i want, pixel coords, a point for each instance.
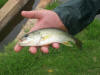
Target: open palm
{"type": "Point", "coordinates": [46, 19]}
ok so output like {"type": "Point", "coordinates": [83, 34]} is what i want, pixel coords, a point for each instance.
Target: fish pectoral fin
{"type": "Point", "coordinates": [68, 43]}
{"type": "Point", "coordinates": [45, 37]}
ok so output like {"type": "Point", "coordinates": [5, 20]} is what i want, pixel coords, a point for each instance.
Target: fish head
{"type": "Point", "coordinates": [30, 40]}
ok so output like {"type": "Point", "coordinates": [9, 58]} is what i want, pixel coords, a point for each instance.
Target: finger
{"type": "Point", "coordinates": [33, 50]}
{"type": "Point", "coordinates": [17, 48]}
{"type": "Point", "coordinates": [56, 45]}
{"type": "Point", "coordinates": [34, 28]}
{"type": "Point", "coordinates": [45, 49]}
{"type": "Point", "coordinates": [32, 14]}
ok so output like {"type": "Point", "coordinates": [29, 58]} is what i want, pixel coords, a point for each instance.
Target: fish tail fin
{"type": "Point", "coordinates": [78, 43]}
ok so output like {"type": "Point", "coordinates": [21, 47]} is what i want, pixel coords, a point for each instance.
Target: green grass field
{"type": "Point", "coordinates": [2, 2]}
{"type": "Point", "coordinates": [64, 61]}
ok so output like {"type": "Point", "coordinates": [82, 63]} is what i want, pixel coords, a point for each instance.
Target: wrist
{"type": "Point", "coordinates": [61, 24]}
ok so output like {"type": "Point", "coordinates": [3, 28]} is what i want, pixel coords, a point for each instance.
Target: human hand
{"type": "Point", "coordinates": [46, 19]}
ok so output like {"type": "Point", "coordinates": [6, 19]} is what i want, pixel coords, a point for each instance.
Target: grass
{"type": "Point", "coordinates": [64, 61]}
{"type": "Point", "coordinates": [2, 2]}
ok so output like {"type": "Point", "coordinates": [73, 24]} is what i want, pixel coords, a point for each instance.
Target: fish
{"type": "Point", "coordinates": [47, 36]}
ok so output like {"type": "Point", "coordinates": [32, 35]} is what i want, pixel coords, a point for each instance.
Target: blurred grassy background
{"type": "Point", "coordinates": [64, 61]}
{"type": "Point", "coordinates": [2, 2]}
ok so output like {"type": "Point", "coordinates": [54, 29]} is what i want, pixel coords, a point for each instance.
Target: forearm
{"type": "Point", "coordinates": [77, 14]}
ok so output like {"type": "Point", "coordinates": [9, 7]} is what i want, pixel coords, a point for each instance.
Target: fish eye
{"type": "Point", "coordinates": [26, 35]}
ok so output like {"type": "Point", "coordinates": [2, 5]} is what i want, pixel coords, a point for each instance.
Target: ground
{"type": "Point", "coordinates": [64, 61]}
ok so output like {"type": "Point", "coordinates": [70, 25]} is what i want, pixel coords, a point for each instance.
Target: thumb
{"type": "Point", "coordinates": [32, 14]}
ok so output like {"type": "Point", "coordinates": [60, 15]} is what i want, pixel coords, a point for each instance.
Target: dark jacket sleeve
{"type": "Point", "coordinates": [77, 14]}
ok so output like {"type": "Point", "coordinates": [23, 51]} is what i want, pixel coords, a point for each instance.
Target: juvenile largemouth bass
{"type": "Point", "coordinates": [48, 36]}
